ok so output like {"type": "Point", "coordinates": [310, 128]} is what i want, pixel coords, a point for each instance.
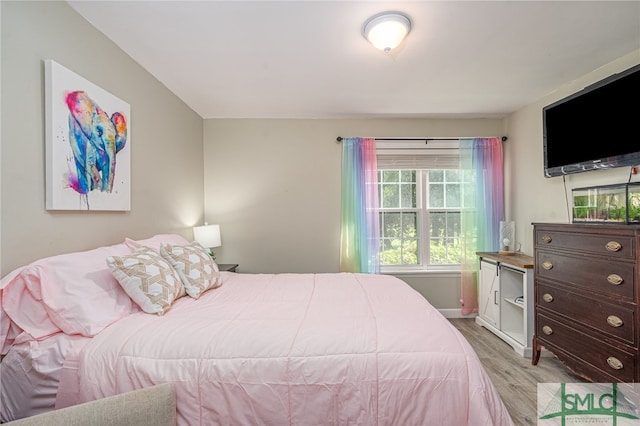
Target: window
{"type": "Point", "coordinates": [421, 199]}
{"type": "Point", "coordinates": [399, 215]}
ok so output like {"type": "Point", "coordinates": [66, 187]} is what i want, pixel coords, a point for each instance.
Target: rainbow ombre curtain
{"type": "Point", "coordinates": [360, 227]}
{"type": "Point", "coordinates": [483, 210]}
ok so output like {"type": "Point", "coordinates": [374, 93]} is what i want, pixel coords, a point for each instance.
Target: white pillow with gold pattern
{"type": "Point", "coordinates": [197, 270]}
{"type": "Point", "coordinates": [148, 279]}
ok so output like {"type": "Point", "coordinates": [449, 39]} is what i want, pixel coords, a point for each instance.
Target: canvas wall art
{"type": "Point", "coordinates": [88, 144]}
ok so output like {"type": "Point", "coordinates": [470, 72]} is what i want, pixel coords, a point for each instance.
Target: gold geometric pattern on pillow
{"type": "Point", "coordinates": [148, 279]}
{"type": "Point", "coordinates": [197, 270]}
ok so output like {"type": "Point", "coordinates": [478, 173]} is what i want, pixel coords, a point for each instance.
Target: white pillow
{"type": "Point", "coordinates": [148, 279]}
{"type": "Point", "coordinates": [197, 270]}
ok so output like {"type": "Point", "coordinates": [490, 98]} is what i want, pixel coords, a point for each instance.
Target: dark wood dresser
{"type": "Point", "coordinates": [586, 298]}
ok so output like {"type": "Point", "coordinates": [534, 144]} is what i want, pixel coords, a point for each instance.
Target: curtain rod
{"type": "Point", "coordinates": [339, 139]}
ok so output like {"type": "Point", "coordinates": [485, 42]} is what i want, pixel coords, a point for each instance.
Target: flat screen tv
{"type": "Point", "coordinates": [595, 128]}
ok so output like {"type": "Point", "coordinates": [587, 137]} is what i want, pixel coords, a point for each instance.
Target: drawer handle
{"type": "Point", "coordinates": [546, 239]}
{"type": "Point", "coordinates": [615, 279]}
{"type": "Point", "coordinates": [614, 321]}
{"type": "Point", "coordinates": [614, 363]}
{"type": "Point", "coordinates": [547, 265]}
{"type": "Point", "coordinates": [613, 246]}
{"type": "Point", "coordinates": [547, 330]}
{"type": "Point", "coordinates": [547, 297]}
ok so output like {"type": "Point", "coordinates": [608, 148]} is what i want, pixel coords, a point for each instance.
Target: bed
{"type": "Point", "coordinates": [300, 349]}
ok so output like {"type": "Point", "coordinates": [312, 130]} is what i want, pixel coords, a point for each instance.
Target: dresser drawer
{"type": "Point", "coordinates": [609, 359]}
{"type": "Point", "coordinates": [616, 246]}
{"type": "Point", "coordinates": [610, 319]}
{"type": "Point", "coordinates": [594, 274]}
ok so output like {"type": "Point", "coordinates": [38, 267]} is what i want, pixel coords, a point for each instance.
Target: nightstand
{"type": "Point", "coordinates": [231, 267]}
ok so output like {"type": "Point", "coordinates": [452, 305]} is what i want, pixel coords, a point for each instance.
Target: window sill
{"type": "Point", "coordinates": [422, 272]}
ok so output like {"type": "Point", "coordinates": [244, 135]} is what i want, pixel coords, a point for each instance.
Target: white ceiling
{"type": "Point", "coordinates": [308, 59]}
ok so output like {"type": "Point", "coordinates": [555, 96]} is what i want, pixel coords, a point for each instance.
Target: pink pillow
{"type": "Point", "coordinates": [22, 302]}
{"type": "Point", "coordinates": [8, 329]}
{"type": "Point", "coordinates": [74, 293]}
{"type": "Point", "coordinates": [155, 241]}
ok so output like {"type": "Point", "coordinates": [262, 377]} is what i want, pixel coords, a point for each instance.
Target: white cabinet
{"type": "Point", "coordinates": [505, 298]}
{"type": "Point", "coordinates": [489, 293]}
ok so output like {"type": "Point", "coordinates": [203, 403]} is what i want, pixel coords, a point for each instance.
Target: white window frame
{"type": "Point", "coordinates": [419, 210]}
{"type": "Point", "coordinates": [420, 155]}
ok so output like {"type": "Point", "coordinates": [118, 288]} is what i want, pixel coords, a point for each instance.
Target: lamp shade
{"type": "Point", "coordinates": [386, 30]}
{"type": "Point", "coordinates": [207, 235]}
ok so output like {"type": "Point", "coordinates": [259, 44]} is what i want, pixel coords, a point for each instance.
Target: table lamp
{"type": "Point", "coordinates": [507, 237]}
{"type": "Point", "coordinates": [208, 236]}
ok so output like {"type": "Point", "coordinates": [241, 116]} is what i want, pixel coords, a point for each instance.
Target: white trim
{"type": "Point", "coordinates": [418, 154]}
{"type": "Point", "coordinates": [455, 313]}
{"type": "Point", "coordinates": [421, 273]}
{"type": "Point", "coordinates": [426, 143]}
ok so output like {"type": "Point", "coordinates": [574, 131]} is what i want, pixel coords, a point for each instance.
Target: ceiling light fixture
{"type": "Point", "coordinates": [386, 30]}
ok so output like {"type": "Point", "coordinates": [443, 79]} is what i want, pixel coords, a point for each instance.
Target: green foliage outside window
{"type": "Point", "coordinates": [401, 212]}
{"type": "Point", "coordinates": [399, 240]}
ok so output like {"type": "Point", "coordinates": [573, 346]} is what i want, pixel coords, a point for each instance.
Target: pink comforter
{"type": "Point", "coordinates": [303, 349]}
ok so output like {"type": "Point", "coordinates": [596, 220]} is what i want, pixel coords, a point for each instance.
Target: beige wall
{"type": "Point", "coordinates": [274, 188]}
{"type": "Point", "coordinates": [531, 196]}
{"type": "Point", "coordinates": [165, 139]}
{"type": "Point", "coordinates": [272, 185]}
{"type": "Point", "coordinates": [0, 139]}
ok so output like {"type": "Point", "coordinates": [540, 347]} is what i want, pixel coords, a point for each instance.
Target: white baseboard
{"type": "Point", "coordinates": [455, 313]}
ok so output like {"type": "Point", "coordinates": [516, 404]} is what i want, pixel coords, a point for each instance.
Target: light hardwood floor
{"type": "Point", "coordinates": [514, 377]}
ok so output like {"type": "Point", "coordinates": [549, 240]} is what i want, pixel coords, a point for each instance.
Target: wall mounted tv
{"type": "Point", "coordinates": [595, 128]}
